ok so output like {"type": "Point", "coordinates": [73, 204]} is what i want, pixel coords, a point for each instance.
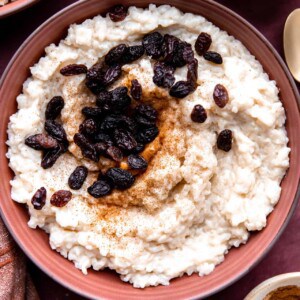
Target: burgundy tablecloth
{"type": "Point", "coordinates": [269, 17]}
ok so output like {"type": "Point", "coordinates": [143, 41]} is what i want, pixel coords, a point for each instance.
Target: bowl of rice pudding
{"type": "Point", "coordinates": [9, 7]}
{"type": "Point", "coordinates": [157, 141]}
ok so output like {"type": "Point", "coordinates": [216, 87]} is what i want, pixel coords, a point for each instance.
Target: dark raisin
{"type": "Point", "coordinates": [73, 69]}
{"type": "Point", "coordinates": [175, 51]}
{"type": "Point", "coordinates": [101, 148]}
{"type": "Point", "coordinates": [60, 198]}
{"type": "Point", "coordinates": [92, 112]}
{"type": "Point", "coordinates": [137, 162]}
{"type": "Point", "coordinates": [118, 13]}
{"type": "Point", "coordinates": [224, 141]}
{"type": "Point", "coordinates": [87, 149]}
{"type": "Point", "coordinates": [181, 89]}
{"type": "Point", "coordinates": [147, 135]}
{"type": "Point", "coordinates": [136, 90]}
{"type": "Point", "coordinates": [78, 177]}
{"type": "Point", "coordinates": [133, 53]}
{"type": "Point", "coordinates": [188, 53]}
{"type": "Point", "coordinates": [122, 179]}
{"type": "Point", "coordinates": [115, 55]}
{"type": "Point", "coordinates": [163, 75]}
{"type": "Point", "coordinates": [99, 189]}
{"type": "Point", "coordinates": [120, 99]}
{"type": "Point", "coordinates": [213, 57]}
{"type": "Point", "coordinates": [41, 142]}
{"type": "Point", "coordinates": [88, 127]}
{"type": "Point", "coordinates": [152, 43]}
{"type": "Point", "coordinates": [112, 122]}
{"type": "Point", "coordinates": [103, 100]}
{"type": "Point", "coordinates": [145, 115]}
{"type": "Point", "coordinates": [202, 43]}
{"type": "Point", "coordinates": [39, 198]}
{"type": "Point", "coordinates": [220, 95]}
{"type": "Point", "coordinates": [95, 86]}
{"type": "Point", "coordinates": [102, 137]}
{"type": "Point", "coordinates": [115, 153]}
{"type": "Point", "coordinates": [51, 156]}
{"type": "Point", "coordinates": [198, 114]}
{"type": "Point", "coordinates": [54, 107]}
{"type": "Point", "coordinates": [94, 78]}
{"type": "Point", "coordinates": [95, 73]}
{"type": "Point", "coordinates": [56, 130]}
{"type": "Point", "coordinates": [139, 148]}
{"type": "Point", "coordinates": [105, 178]}
{"type": "Point", "coordinates": [112, 74]}
{"type": "Point", "coordinates": [124, 139]}
{"type": "Point", "coordinates": [192, 73]}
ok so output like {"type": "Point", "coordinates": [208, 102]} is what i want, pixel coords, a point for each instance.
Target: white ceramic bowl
{"type": "Point", "coordinates": [272, 284]}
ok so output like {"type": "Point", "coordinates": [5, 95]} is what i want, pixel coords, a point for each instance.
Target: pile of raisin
{"type": "Point", "coordinates": [53, 143]}
{"type": "Point", "coordinates": [118, 127]}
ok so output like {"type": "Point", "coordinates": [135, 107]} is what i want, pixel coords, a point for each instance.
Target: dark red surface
{"type": "Point", "coordinates": [269, 17]}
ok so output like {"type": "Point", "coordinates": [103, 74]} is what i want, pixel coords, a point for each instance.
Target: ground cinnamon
{"type": "Point", "coordinates": [289, 292]}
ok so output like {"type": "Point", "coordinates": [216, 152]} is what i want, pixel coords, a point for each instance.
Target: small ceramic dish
{"type": "Point", "coordinates": [107, 284]}
{"type": "Point", "coordinates": [13, 7]}
{"type": "Point", "coordinates": [271, 284]}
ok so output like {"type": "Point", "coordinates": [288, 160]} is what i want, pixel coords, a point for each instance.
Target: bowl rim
{"type": "Point", "coordinates": [297, 194]}
{"type": "Point", "coordinates": [14, 7]}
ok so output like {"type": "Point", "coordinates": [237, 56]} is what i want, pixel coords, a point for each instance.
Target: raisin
{"type": "Point", "coordinates": [60, 198]}
{"type": "Point", "coordinates": [103, 100]}
{"type": "Point", "coordinates": [133, 53]}
{"type": "Point", "coordinates": [112, 122]}
{"type": "Point", "coordinates": [192, 73]}
{"type": "Point", "coordinates": [139, 148]}
{"type": "Point", "coordinates": [54, 107]}
{"type": "Point", "coordinates": [136, 90]}
{"type": "Point", "coordinates": [163, 75]}
{"type": "Point", "coordinates": [176, 52]}
{"type": "Point", "coordinates": [95, 73]}
{"type": "Point", "coordinates": [198, 114]}
{"type": "Point", "coordinates": [118, 13]}
{"type": "Point", "coordinates": [145, 115]}
{"type": "Point", "coordinates": [73, 69]}
{"type": "Point", "coordinates": [95, 86]}
{"type": "Point", "coordinates": [92, 112]}
{"type": "Point", "coordinates": [220, 95]}
{"type": "Point", "coordinates": [101, 148]}
{"type": "Point", "coordinates": [224, 141]}
{"type": "Point", "coordinates": [87, 149]}
{"type": "Point", "coordinates": [213, 57]}
{"type": "Point", "coordinates": [188, 53]}
{"type": "Point", "coordinates": [112, 74]}
{"type": "Point", "coordinates": [147, 135]}
{"type": "Point", "coordinates": [88, 127]}
{"type": "Point", "coordinates": [99, 189]}
{"type": "Point", "coordinates": [102, 137]}
{"type": "Point", "coordinates": [122, 179]}
{"type": "Point", "coordinates": [51, 156]}
{"type": "Point", "coordinates": [120, 99]}
{"type": "Point", "coordinates": [202, 43]}
{"type": "Point", "coordinates": [181, 89]}
{"type": "Point", "coordinates": [56, 130]}
{"type": "Point", "coordinates": [41, 142]}
{"type": "Point", "coordinates": [115, 55]}
{"type": "Point", "coordinates": [124, 139]}
{"type": "Point", "coordinates": [78, 177]}
{"type": "Point", "coordinates": [115, 153]}
{"type": "Point", "coordinates": [152, 43]}
{"type": "Point", "coordinates": [137, 162]}
{"type": "Point", "coordinates": [39, 198]}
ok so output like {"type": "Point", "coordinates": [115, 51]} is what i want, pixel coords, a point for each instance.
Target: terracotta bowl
{"type": "Point", "coordinates": [106, 284]}
{"type": "Point", "coordinates": [13, 7]}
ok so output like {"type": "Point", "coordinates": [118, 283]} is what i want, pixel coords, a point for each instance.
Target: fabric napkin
{"type": "Point", "coordinates": [15, 282]}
